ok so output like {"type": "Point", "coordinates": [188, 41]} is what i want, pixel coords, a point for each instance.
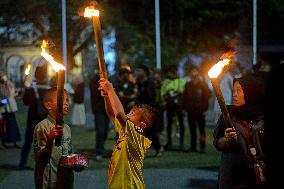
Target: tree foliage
{"type": "Point", "coordinates": [42, 19]}
{"type": "Point", "coordinates": [186, 26]}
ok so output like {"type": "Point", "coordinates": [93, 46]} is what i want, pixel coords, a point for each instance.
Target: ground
{"type": "Point", "coordinates": [174, 169]}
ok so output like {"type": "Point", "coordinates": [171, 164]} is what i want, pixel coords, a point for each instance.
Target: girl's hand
{"type": "Point", "coordinates": [230, 133]}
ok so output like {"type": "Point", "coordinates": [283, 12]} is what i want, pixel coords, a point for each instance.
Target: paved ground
{"type": "Point", "coordinates": [154, 178]}
{"type": "Point", "coordinates": [96, 179]}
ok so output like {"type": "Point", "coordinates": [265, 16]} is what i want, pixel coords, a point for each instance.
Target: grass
{"type": "Point", "coordinates": [3, 174]}
{"type": "Point", "coordinates": [84, 142]}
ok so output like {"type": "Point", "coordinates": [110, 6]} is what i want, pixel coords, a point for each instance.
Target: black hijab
{"type": "Point", "coordinates": [253, 88]}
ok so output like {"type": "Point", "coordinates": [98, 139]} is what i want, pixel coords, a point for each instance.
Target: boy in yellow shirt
{"type": "Point", "coordinates": [125, 168]}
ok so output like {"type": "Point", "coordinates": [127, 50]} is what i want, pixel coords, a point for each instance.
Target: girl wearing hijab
{"type": "Point", "coordinates": [242, 145]}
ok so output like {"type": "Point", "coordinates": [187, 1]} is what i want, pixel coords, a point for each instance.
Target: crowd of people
{"type": "Point", "coordinates": [134, 101]}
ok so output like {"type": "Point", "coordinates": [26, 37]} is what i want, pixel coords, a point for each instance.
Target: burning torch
{"type": "Point", "coordinates": [213, 74]}
{"type": "Point", "coordinates": [28, 76]}
{"type": "Point", "coordinates": [60, 70]}
{"type": "Point", "coordinates": [92, 12]}
{"type": "Point", "coordinates": [27, 70]}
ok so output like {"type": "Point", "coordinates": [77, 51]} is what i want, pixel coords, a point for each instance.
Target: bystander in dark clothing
{"type": "Point", "coordinates": [196, 102]}
{"type": "Point", "coordinates": [32, 96]}
{"type": "Point", "coordinates": [2, 127]}
{"type": "Point", "coordinates": [100, 116]}
{"type": "Point", "coordinates": [171, 93]}
{"type": "Point", "coordinates": [147, 95]}
{"type": "Point", "coordinates": [159, 105]}
{"type": "Point", "coordinates": [126, 89]}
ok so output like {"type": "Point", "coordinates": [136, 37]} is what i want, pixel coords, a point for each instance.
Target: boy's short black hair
{"type": "Point", "coordinates": [148, 115]}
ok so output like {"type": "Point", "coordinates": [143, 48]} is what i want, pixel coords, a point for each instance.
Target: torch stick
{"type": "Point", "coordinates": [221, 101]}
{"type": "Point", "coordinates": [59, 69]}
{"type": "Point", "coordinates": [60, 97]}
{"type": "Point", "coordinates": [99, 45]}
{"type": "Point", "coordinates": [90, 11]}
{"type": "Point", "coordinates": [213, 75]}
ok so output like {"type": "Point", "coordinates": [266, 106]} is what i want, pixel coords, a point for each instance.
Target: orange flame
{"type": "Point", "coordinates": [55, 65]}
{"type": "Point", "coordinates": [90, 11]}
{"type": "Point", "coordinates": [28, 69]}
{"type": "Point", "coordinates": [217, 68]}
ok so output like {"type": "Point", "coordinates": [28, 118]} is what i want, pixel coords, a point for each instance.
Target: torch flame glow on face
{"type": "Point", "coordinates": [217, 68]}
{"type": "Point", "coordinates": [90, 11]}
{"type": "Point", "coordinates": [55, 65]}
{"type": "Point", "coordinates": [27, 70]}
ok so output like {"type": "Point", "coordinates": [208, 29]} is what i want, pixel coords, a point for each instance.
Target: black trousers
{"type": "Point", "coordinates": [195, 121]}
{"type": "Point", "coordinates": [171, 112]}
{"type": "Point", "coordinates": [153, 135]}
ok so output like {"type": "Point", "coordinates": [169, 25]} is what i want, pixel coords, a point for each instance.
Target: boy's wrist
{"type": "Point", "coordinates": [109, 89]}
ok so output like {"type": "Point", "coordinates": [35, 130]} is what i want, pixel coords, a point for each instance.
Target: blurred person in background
{"type": "Point", "coordinates": [126, 89]}
{"type": "Point", "coordinates": [101, 119]}
{"type": "Point", "coordinates": [7, 91]}
{"type": "Point", "coordinates": [171, 92]}
{"type": "Point", "coordinates": [147, 94]}
{"type": "Point", "coordinates": [3, 102]}
{"type": "Point", "coordinates": [32, 96]}
{"type": "Point", "coordinates": [78, 116]}
{"type": "Point", "coordinates": [196, 102]}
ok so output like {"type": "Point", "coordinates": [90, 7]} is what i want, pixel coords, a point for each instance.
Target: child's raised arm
{"type": "Point", "coordinates": [113, 105]}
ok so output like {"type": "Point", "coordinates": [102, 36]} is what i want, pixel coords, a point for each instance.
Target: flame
{"type": "Point", "coordinates": [27, 70]}
{"type": "Point", "coordinates": [55, 65]}
{"type": "Point", "coordinates": [90, 11]}
{"type": "Point", "coordinates": [217, 68]}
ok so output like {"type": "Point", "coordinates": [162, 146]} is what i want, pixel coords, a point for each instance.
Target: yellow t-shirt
{"type": "Point", "coordinates": [125, 167]}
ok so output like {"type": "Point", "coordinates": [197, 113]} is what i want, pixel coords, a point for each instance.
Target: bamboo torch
{"type": "Point", "coordinates": [213, 74]}
{"type": "Point", "coordinates": [92, 12]}
{"type": "Point", "coordinates": [60, 71]}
